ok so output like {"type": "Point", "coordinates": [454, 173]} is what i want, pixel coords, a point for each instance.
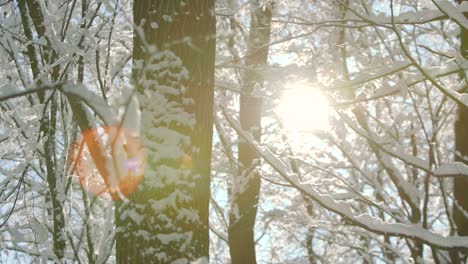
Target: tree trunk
{"type": "Point", "coordinates": [461, 148]}
{"type": "Point", "coordinates": [245, 194]}
{"type": "Point", "coordinates": [166, 220]}
{"type": "Point", "coordinates": [31, 15]}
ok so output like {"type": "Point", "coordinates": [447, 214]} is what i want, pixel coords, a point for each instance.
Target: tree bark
{"type": "Point", "coordinates": [166, 220]}
{"type": "Point", "coordinates": [460, 206]}
{"type": "Point", "coordinates": [246, 191]}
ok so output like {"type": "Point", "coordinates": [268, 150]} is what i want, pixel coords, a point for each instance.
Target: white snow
{"type": "Point", "coordinates": [451, 170]}
{"type": "Point", "coordinates": [342, 208]}
{"type": "Point", "coordinates": [452, 11]}
{"type": "Point", "coordinates": [102, 109]}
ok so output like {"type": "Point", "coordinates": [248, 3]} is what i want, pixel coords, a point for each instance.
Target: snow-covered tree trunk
{"type": "Point", "coordinates": [166, 220]}
{"type": "Point", "coordinates": [246, 190]}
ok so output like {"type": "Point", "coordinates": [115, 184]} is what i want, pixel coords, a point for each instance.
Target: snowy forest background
{"type": "Point", "coordinates": [171, 106]}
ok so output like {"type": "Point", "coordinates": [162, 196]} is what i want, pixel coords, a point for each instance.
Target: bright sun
{"type": "Point", "coordinates": [303, 109]}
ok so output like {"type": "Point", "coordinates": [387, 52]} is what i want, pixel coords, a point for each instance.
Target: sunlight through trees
{"type": "Point", "coordinates": [233, 131]}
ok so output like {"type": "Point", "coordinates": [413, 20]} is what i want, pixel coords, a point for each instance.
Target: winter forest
{"type": "Point", "coordinates": [233, 131]}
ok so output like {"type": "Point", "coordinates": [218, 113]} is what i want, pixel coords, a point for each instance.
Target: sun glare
{"type": "Point", "coordinates": [303, 109]}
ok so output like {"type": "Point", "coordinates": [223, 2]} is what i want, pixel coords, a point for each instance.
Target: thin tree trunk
{"type": "Point", "coordinates": [166, 220]}
{"type": "Point", "coordinates": [31, 15]}
{"type": "Point", "coordinates": [245, 194]}
{"type": "Point", "coordinates": [460, 206]}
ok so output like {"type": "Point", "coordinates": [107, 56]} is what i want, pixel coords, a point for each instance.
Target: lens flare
{"type": "Point", "coordinates": [185, 161]}
{"type": "Point", "coordinates": [108, 161]}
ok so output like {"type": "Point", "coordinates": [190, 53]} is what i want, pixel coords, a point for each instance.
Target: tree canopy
{"type": "Point", "coordinates": [233, 131]}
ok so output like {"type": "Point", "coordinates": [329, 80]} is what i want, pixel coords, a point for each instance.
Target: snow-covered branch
{"type": "Point", "coordinates": [341, 208]}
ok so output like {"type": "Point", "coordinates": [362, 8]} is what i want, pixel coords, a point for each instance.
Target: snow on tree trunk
{"type": "Point", "coordinates": [166, 220]}
{"type": "Point", "coordinates": [246, 186]}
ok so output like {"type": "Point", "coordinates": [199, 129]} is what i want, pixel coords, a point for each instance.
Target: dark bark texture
{"type": "Point", "coordinates": [173, 58]}
{"type": "Point", "coordinates": [245, 195]}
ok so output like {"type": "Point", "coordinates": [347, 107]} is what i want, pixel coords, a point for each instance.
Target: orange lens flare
{"type": "Point", "coordinates": [185, 161]}
{"type": "Point", "coordinates": [108, 161]}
